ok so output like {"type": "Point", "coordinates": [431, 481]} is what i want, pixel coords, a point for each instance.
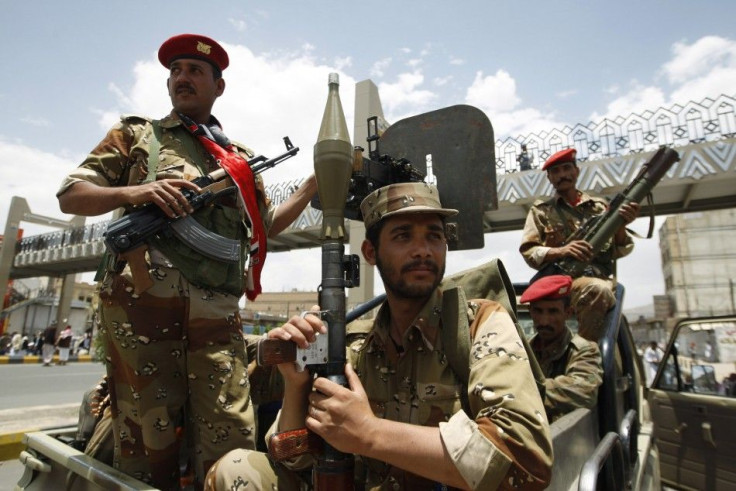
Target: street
{"type": "Point", "coordinates": [27, 385]}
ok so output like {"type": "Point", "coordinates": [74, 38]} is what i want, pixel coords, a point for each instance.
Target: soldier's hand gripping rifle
{"type": "Point", "coordinates": [333, 166]}
{"type": "Point", "coordinates": [598, 230]}
{"type": "Point", "coordinates": [127, 236]}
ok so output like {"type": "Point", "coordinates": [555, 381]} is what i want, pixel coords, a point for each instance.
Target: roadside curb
{"type": "Point", "coordinates": [17, 359]}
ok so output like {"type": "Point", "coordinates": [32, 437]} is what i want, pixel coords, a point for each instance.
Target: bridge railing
{"type": "Point", "coordinates": [61, 245]}
{"type": "Point", "coordinates": [678, 125]}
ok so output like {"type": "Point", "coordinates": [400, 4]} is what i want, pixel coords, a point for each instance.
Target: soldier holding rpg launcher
{"type": "Point", "coordinates": [545, 240]}
{"type": "Point", "coordinates": [399, 407]}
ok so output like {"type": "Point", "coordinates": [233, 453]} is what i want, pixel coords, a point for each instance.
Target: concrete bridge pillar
{"type": "Point", "coordinates": [367, 104]}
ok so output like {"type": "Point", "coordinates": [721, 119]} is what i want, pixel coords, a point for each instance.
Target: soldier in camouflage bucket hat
{"type": "Point", "coordinates": [402, 388]}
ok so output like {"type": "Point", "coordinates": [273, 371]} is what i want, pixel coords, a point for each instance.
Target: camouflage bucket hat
{"type": "Point", "coordinates": [405, 197]}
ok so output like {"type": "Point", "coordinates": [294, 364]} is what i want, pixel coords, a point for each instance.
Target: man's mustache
{"type": "Point", "coordinates": [426, 263]}
{"type": "Point", "coordinates": [563, 180]}
{"type": "Point", "coordinates": [184, 86]}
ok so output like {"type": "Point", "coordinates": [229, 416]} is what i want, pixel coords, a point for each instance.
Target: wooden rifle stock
{"type": "Point", "coordinates": [136, 259]}
{"type": "Point", "coordinates": [293, 443]}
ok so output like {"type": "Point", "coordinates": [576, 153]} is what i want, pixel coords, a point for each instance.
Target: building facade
{"type": "Point", "coordinates": [699, 263]}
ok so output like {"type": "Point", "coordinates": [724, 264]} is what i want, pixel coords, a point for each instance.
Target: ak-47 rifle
{"type": "Point", "coordinates": [598, 230]}
{"type": "Point", "coordinates": [128, 235]}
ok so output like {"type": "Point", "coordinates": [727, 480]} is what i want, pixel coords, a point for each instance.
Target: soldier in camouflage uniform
{"type": "Point", "coordinates": [403, 415]}
{"type": "Point", "coordinates": [571, 363]}
{"type": "Point", "coordinates": [175, 352]}
{"type": "Point", "coordinates": [550, 223]}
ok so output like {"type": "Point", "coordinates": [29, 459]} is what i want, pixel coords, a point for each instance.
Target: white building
{"type": "Point", "coordinates": [699, 262]}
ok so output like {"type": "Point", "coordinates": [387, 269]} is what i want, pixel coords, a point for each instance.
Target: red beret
{"type": "Point", "coordinates": [566, 155]}
{"type": "Point", "coordinates": [548, 288]}
{"type": "Point", "coordinates": [193, 46]}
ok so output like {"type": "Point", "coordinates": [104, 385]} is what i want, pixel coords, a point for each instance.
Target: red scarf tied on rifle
{"type": "Point", "coordinates": [217, 144]}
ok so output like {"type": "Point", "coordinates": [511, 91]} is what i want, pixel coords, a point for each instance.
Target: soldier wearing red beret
{"type": "Point", "coordinates": [172, 332]}
{"type": "Point", "coordinates": [571, 364]}
{"type": "Point", "coordinates": [551, 222]}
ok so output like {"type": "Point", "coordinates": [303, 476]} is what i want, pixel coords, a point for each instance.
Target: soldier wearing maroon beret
{"type": "Point", "coordinates": [546, 238]}
{"type": "Point", "coordinates": [571, 364]}
{"type": "Point", "coordinates": [193, 46]}
{"type": "Point", "coordinates": [169, 314]}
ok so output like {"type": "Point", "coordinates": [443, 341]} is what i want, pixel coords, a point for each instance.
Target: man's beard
{"type": "Point", "coordinates": [400, 288]}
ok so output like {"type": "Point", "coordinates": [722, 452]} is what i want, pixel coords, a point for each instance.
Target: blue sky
{"type": "Point", "coordinates": [70, 68]}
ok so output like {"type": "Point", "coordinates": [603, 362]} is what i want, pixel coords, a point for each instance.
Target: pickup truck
{"type": "Point", "coordinates": [609, 448]}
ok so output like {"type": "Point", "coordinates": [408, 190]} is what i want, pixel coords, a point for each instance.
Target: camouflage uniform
{"type": "Point", "coordinates": [573, 369]}
{"type": "Point", "coordinates": [505, 445]}
{"type": "Point", "coordinates": [175, 354]}
{"type": "Point", "coordinates": [548, 224]}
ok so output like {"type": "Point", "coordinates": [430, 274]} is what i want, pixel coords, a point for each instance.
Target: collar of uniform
{"type": "Point", "coordinates": [584, 198]}
{"type": "Point", "coordinates": [172, 120]}
{"type": "Point", "coordinates": [554, 351]}
{"type": "Point", "coordinates": [427, 322]}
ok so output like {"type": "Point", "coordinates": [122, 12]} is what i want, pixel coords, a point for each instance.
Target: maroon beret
{"type": "Point", "coordinates": [193, 46]}
{"type": "Point", "coordinates": [548, 288]}
{"type": "Point", "coordinates": [566, 155]}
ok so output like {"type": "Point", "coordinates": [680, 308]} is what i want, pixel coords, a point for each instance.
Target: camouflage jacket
{"type": "Point", "coordinates": [121, 159]}
{"type": "Point", "coordinates": [550, 222]}
{"type": "Point", "coordinates": [504, 444]}
{"type": "Point", "coordinates": [574, 372]}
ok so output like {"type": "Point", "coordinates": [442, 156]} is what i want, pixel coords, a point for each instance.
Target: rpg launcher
{"type": "Point", "coordinates": [599, 230]}
{"type": "Point", "coordinates": [128, 235]}
{"type": "Point", "coordinates": [333, 158]}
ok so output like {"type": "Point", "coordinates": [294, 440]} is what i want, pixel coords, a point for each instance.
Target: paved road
{"type": "Point", "coordinates": [25, 385]}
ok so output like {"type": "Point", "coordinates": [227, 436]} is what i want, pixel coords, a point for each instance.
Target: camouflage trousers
{"type": "Point", "coordinates": [591, 299]}
{"type": "Point", "coordinates": [175, 357]}
{"type": "Point", "coordinates": [243, 469]}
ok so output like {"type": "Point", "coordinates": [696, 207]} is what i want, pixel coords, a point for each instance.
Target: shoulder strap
{"type": "Point", "coordinates": [489, 281]}
{"type": "Point", "coordinates": [569, 210]}
{"type": "Point", "coordinates": [153, 149]}
{"type": "Point", "coordinates": [455, 334]}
